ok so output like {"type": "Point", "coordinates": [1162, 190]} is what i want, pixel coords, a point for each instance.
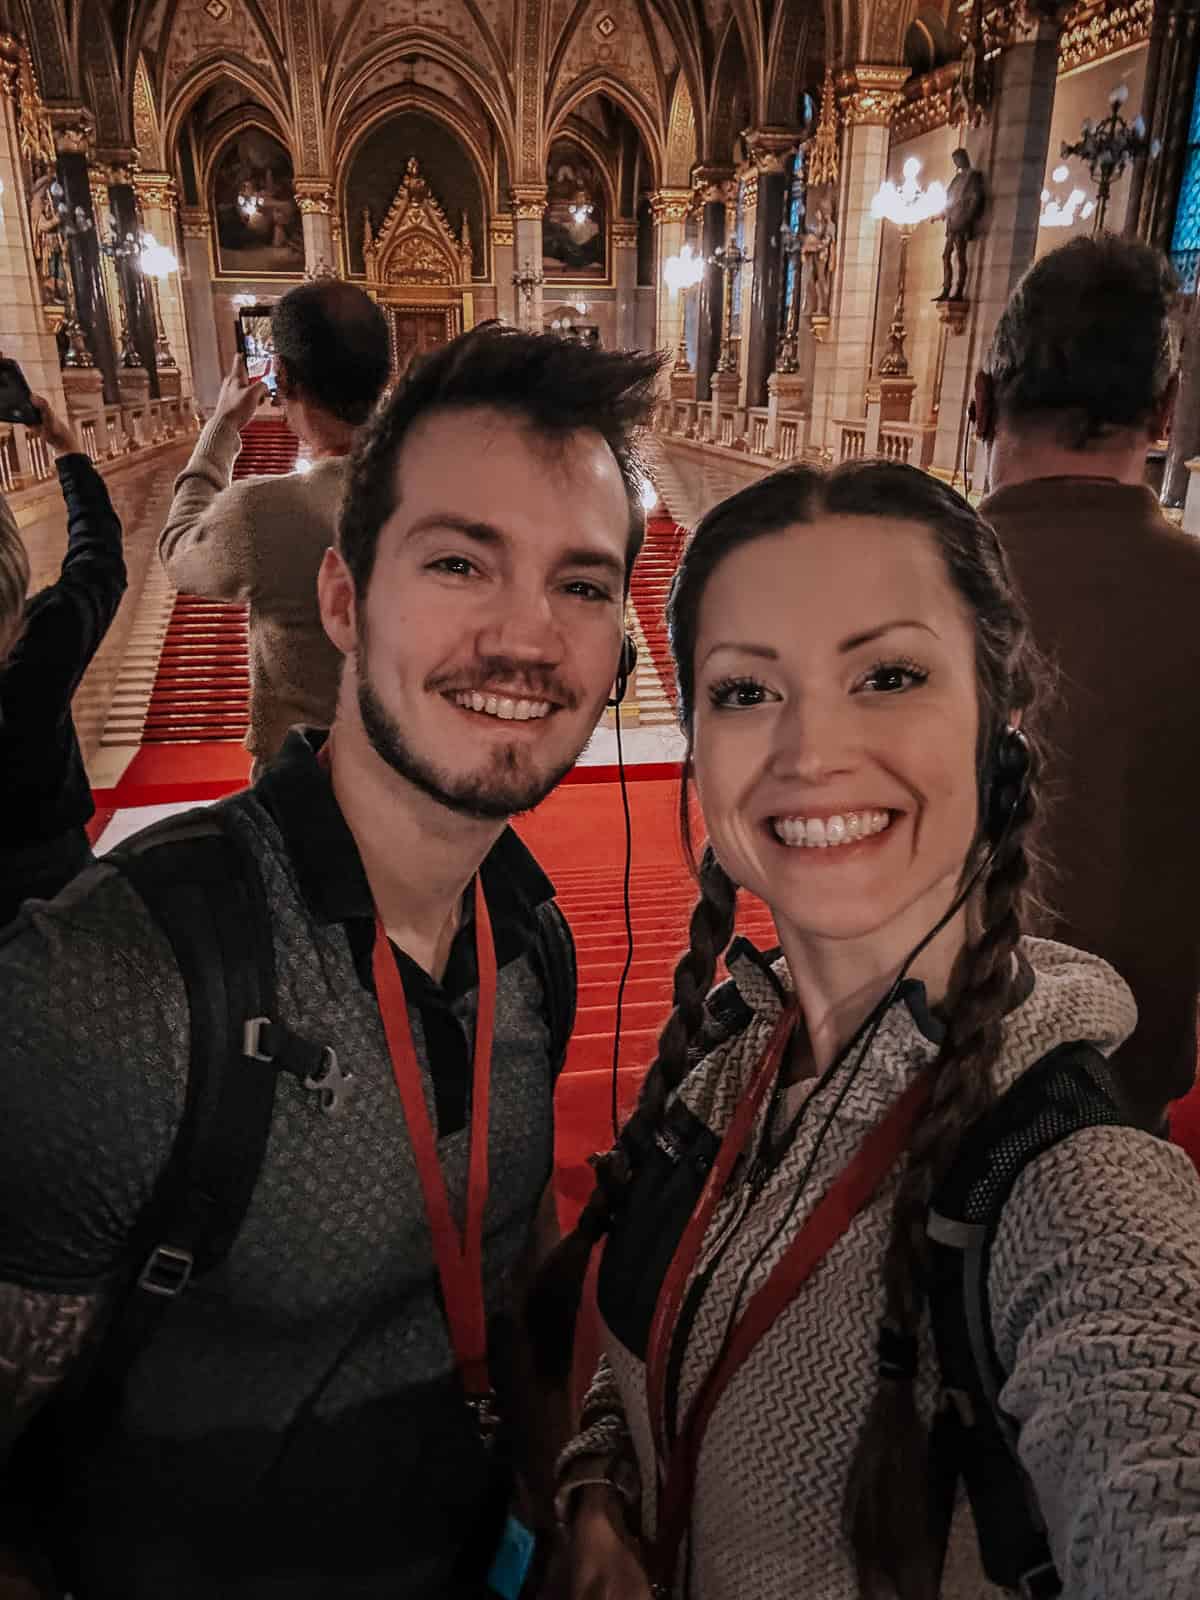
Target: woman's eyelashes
{"type": "Point", "coordinates": [892, 677]}
{"type": "Point", "coordinates": [742, 693]}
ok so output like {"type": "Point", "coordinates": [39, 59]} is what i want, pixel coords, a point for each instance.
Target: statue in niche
{"type": "Point", "coordinates": [965, 199]}
{"type": "Point", "coordinates": [47, 241]}
{"type": "Point", "coordinates": [816, 252]}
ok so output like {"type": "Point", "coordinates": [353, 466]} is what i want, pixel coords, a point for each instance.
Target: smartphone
{"type": "Point", "coordinates": [15, 402]}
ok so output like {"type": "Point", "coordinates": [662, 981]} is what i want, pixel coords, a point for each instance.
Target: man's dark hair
{"type": "Point", "coordinates": [556, 386]}
{"type": "Point", "coordinates": [333, 340]}
{"type": "Point", "coordinates": [1084, 342]}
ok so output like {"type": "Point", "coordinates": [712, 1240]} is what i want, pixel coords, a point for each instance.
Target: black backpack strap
{"type": "Point", "coordinates": [974, 1439]}
{"type": "Point", "coordinates": [554, 949]}
{"type": "Point", "coordinates": [204, 891]}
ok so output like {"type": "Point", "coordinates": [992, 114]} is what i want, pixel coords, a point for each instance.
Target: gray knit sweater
{"type": "Point", "coordinates": [1095, 1296]}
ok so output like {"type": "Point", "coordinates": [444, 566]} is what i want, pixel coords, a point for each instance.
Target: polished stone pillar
{"type": "Point", "coordinates": [716, 192]}
{"type": "Point", "coordinates": [502, 268]}
{"type": "Point", "coordinates": [624, 244]}
{"type": "Point", "coordinates": [843, 361]}
{"type": "Point", "coordinates": [529, 205]}
{"type": "Point", "coordinates": [770, 149]}
{"type": "Point", "coordinates": [669, 210]}
{"type": "Point", "coordinates": [1185, 424]}
{"type": "Point", "coordinates": [136, 292]}
{"type": "Point", "coordinates": [156, 202]}
{"type": "Point", "coordinates": [202, 324]}
{"type": "Point", "coordinates": [314, 199]}
{"type": "Point", "coordinates": [83, 255]}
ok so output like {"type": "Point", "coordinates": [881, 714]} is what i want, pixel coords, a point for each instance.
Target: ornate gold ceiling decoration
{"type": "Point", "coordinates": [1092, 31]}
{"type": "Point", "coordinates": [928, 104]}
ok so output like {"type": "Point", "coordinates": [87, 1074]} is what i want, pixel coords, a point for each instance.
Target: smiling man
{"type": "Point", "coordinates": [316, 1413]}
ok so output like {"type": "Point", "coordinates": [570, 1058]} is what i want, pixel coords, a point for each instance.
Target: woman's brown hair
{"type": "Point", "coordinates": [886, 1512]}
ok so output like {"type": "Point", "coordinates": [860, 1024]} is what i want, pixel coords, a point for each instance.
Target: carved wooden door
{"type": "Point", "coordinates": [414, 333]}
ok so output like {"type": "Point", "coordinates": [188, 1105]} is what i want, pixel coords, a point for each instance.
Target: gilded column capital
{"type": "Point", "coordinates": [769, 148]}
{"type": "Point", "coordinates": [869, 94]}
{"type": "Point", "coordinates": [501, 230]}
{"type": "Point", "coordinates": [624, 235]}
{"type": "Point", "coordinates": [195, 222]}
{"type": "Point", "coordinates": [748, 182]}
{"type": "Point", "coordinates": [528, 201]}
{"type": "Point", "coordinates": [713, 184]}
{"type": "Point", "coordinates": [314, 197]}
{"type": "Point", "coordinates": [670, 205]}
{"type": "Point", "coordinates": [155, 189]}
{"type": "Point", "coordinates": [74, 129]}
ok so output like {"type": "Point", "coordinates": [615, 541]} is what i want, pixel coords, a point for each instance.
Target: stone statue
{"type": "Point", "coordinates": [817, 251]}
{"type": "Point", "coordinates": [964, 206]}
{"type": "Point", "coordinates": [47, 241]}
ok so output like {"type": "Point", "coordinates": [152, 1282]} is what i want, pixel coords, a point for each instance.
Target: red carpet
{"type": "Point", "coordinates": [202, 687]}
{"type": "Point", "coordinates": [652, 576]}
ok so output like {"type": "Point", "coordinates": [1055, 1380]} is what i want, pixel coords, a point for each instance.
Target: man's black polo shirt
{"type": "Point", "coordinates": [296, 792]}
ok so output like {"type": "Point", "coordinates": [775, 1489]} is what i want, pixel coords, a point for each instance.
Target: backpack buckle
{"type": "Point", "coordinates": [333, 1084]}
{"type": "Point", "coordinates": [252, 1032]}
{"type": "Point", "coordinates": [167, 1272]}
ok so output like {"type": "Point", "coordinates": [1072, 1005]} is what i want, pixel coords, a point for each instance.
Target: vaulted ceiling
{"type": "Point", "coordinates": [688, 74]}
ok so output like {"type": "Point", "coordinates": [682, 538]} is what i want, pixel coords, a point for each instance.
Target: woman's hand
{"type": "Point", "coordinates": [603, 1560]}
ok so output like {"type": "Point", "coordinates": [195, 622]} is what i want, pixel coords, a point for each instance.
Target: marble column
{"type": "Point", "coordinates": [869, 94]}
{"type": "Point", "coordinates": [668, 210]}
{"type": "Point", "coordinates": [1011, 150]}
{"type": "Point", "coordinates": [624, 244]}
{"type": "Point", "coordinates": [83, 252]}
{"type": "Point", "coordinates": [501, 231]}
{"type": "Point", "coordinates": [314, 197]}
{"type": "Point", "coordinates": [1171, 64]}
{"type": "Point", "coordinates": [716, 191]}
{"type": "Point", "coordinates": [770, 148]}
{"type": "Point", "coordinates": [136, 291]}
{"type": "Point", "coordinates": [27, 330]}
{"type": "Point", "coordinates": [529, 205]}
{"type": "Point", "coordinates": [156, 201]}
{"type": "Point", "coordinates": [744, 292]}
{"type": "Point", "coordinates": [202, 324]}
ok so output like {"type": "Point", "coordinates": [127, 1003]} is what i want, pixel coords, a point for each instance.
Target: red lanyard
{"type": "Point", "coordinates": [459, 1257]}
{"type": "Point", "coordinates": [837, 1209]}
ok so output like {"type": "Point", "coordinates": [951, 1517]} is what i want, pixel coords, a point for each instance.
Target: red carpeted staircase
{"type": "Point", "coordinates": [652, 576]}
{"type": "Point", "coordinates": [202, 687]}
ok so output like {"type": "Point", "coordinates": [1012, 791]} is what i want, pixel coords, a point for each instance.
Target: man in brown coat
{"type": "Point", "coordinates": [1077, 382]}
{"type": "Point", "coordinates": [261, 540]}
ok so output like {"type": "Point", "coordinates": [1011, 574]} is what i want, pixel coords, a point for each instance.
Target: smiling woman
{"type": "Point", "coordinates": [855, 677]}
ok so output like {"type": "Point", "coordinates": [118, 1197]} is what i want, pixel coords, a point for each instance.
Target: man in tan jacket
{"type": "Point", "coordinates": [1077, 383]}
{"type": "Point", "coordinates": [261, 540]}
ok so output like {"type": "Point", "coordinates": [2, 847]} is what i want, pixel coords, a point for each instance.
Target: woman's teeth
{"type": "Point", "coordinates": [493, 705]}
{"type": "Point", "coordinates": [822, 832]}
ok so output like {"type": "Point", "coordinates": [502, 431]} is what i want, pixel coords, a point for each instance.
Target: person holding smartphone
{"type": "Point", "coordinates": [45, 798]}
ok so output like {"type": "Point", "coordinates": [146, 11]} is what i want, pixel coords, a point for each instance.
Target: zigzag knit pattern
{"type": "Point", "coordinates": [1096, 1301]}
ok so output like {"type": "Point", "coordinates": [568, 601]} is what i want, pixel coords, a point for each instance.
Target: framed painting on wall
{"type": "Point", "coordinates": [575, 224]}
{"type": "Point", "coordinates": [255, 215]}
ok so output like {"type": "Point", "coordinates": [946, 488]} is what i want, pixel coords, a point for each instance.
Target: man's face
{"type": "Point", "coordinates": [487, 641]}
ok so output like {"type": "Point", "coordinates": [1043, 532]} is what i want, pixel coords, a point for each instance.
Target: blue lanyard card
{"type": "Point", "coordinates": [512, 1560]}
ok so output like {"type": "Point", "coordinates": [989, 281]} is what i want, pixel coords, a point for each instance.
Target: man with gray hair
{"type": "Point", "coordinates": [1077, 383]}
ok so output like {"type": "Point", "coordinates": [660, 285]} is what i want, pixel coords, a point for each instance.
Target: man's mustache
{"type": "Point", "coordinates": [521, 681]}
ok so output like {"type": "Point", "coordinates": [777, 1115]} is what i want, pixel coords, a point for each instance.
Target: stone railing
{"type": "Point", "coordinates": [909, 442]}
{"type": "Point", "coordinates": [762, 432]}
{"type": "Point", "coordinates": [105, 435]}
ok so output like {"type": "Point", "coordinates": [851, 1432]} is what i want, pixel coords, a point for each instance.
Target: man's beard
{"type": "Point", "coordinates": [504, 789]}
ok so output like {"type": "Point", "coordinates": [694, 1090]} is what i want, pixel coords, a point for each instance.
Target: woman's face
{"type": "Point", "coordinates": [835, 727]}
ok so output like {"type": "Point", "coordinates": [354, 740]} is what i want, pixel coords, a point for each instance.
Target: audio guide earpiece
{"type": "Point", "coordinates": [1007, 781]}
{"type": "Point", "coordinates": [626, 667]}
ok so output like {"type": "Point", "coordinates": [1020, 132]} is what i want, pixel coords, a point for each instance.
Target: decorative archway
{"type": "Point", "coordinates": [419, 269]}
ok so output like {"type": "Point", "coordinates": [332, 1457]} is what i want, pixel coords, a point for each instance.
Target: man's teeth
{"type": "Point", "coordinates": [509, 710]}
{"type": "Point", "coordinates": [842, 828]}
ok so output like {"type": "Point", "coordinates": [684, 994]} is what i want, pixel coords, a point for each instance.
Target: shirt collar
{"type": "Point", "coordinates": [296, 791]}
